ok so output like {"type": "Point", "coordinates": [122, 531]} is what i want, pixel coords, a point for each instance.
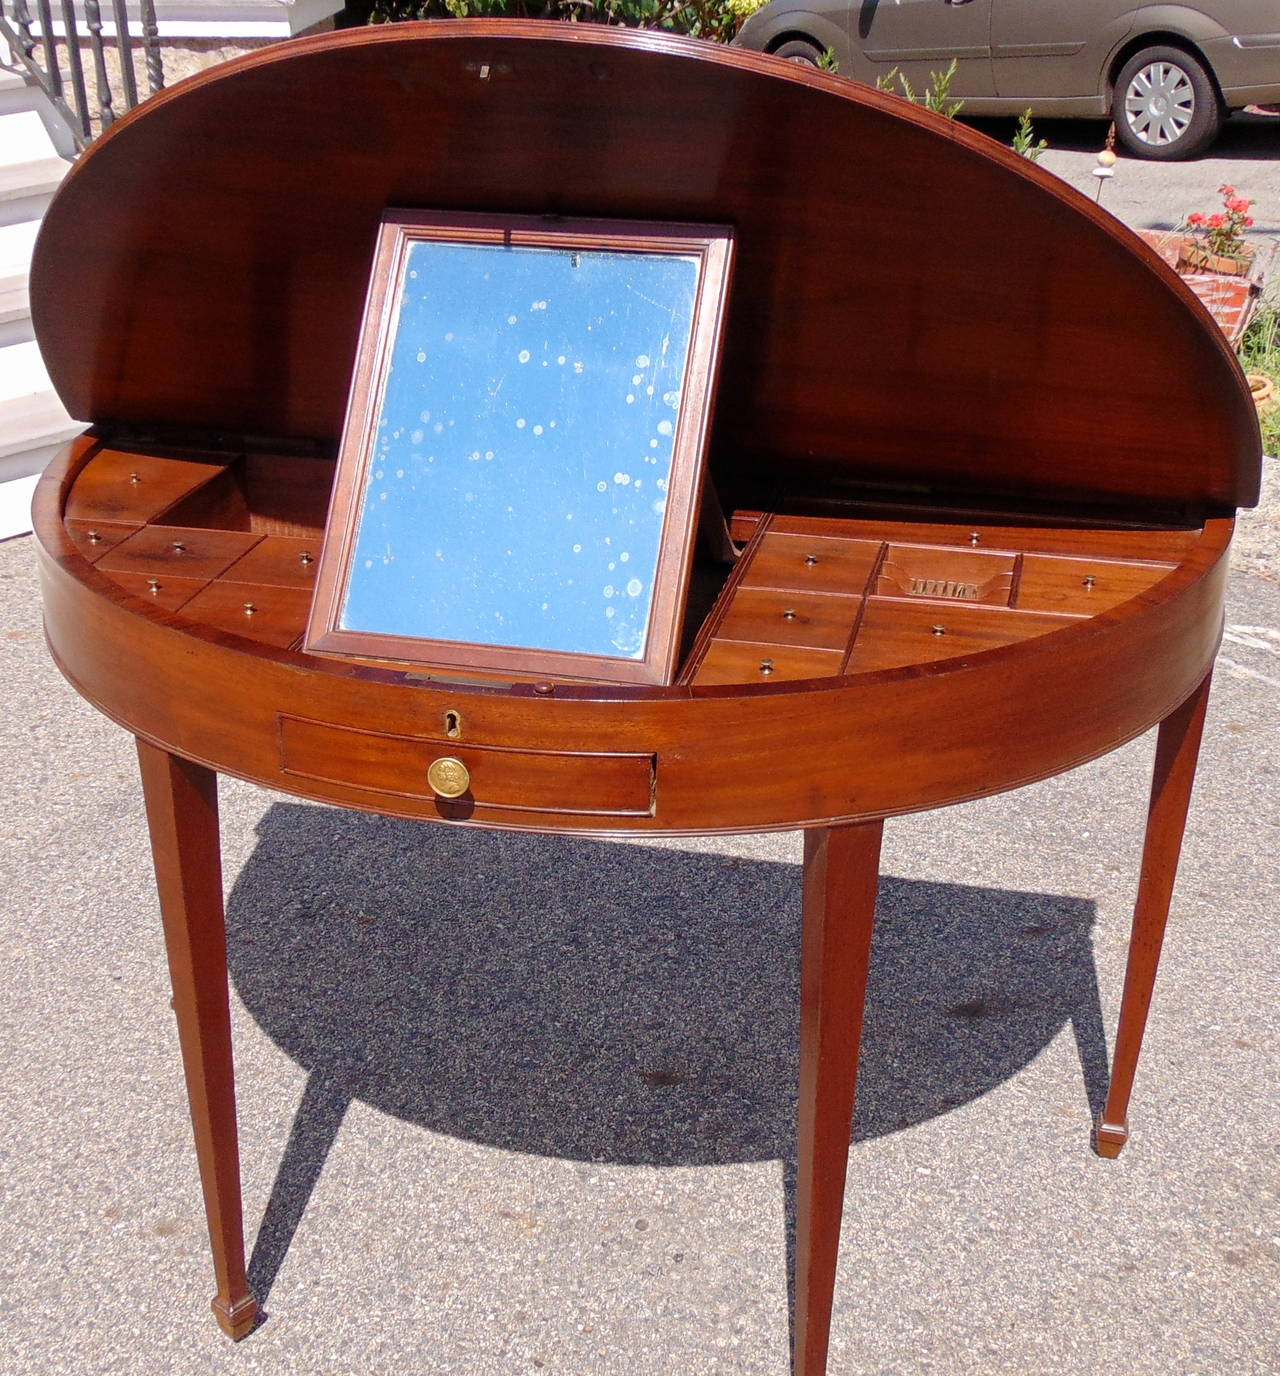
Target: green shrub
{"type": "Point", "coordinates": [1260, 353]}
{"type": "Point", "coordinates": [715, 19]}
{"type": "Point", "coordinates": [936, 96]}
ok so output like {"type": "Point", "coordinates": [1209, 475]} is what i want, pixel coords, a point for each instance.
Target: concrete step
{"type": "Point", "coordinates": [18, 93]}
{"type": "Point", "coordinates": [33, 422]}
{"type": "Point", "coordinates": [33, 426]}
{"type": "Point", "coordinates": [30, 168]}
{"type": "Point", "coordinates": [15, 505]}
{"type": "Point", "coordinates": [30, 413]}
{"type": "Point", "coordinates": [16, 243]}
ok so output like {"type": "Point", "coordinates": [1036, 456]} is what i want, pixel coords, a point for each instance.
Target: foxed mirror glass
{"type": "Point", "coordinates": [519, 474]}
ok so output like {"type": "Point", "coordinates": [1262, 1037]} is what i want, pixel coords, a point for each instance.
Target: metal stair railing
{"type": "Point", "coordinates": [33, 42]}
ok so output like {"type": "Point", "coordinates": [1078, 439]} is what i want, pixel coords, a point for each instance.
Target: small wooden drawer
{"type": "Point", "coordinates": [805, 563]}
{"type": "Point", "coordinates": [819, 621]}
{"type": "Point", "coordinates": [736, 661]}
{"type": "Point", "coordinates": [946, 575]}
{"type": "Point", "coordinates": [178, 550]}
{"type": "Point", "coordinates": [95, 538]}
{"type": "Point", "coordinates": [1082, 587]}
{"type": "Point", "coordinates": [278, 561]}
{"type": "Point", "coordinates": [161, 590]}
{"type": "Point", "coordinates": [896, 633]}
{"type": "Point", "coordinates": [275, 616]}
{"type": "Point", "coordinates": [119, 486]}
{"type": "Point", "coordinates": [605, 785]}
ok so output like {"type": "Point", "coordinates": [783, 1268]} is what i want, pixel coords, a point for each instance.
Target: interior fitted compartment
{"type": "Point", "coordinates": [234, 541]}
{"type": "Point", "coordinates": [269, 493]}
{"type": "Point", "coordinates": [808, 602]}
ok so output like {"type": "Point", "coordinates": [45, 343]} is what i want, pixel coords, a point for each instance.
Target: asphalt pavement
{"type": "Point", "coordinates": [518, 1104]}
{"type": "Point", "coordinates": [1160, 195]}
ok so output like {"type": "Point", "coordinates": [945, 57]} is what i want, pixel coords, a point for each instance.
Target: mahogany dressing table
{"type": "Point", "coordinates": [973, 467]}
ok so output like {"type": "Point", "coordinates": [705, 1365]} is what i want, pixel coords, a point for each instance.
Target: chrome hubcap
{"type": "Point", "coordinates": [1159, 103]}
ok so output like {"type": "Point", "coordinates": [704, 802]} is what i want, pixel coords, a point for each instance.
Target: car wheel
{"type": "Point", "coordinates": [1165, 105]}
{"type": "Point", "coordinates": [799, 50]}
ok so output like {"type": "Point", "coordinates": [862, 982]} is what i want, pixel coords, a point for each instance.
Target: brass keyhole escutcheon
{"type": "Point", "coordinates": [448, 777]}
{"type": "Point", "coordinates": [789, 614]}
{"type": "Point", "coordinates": [453, 725]}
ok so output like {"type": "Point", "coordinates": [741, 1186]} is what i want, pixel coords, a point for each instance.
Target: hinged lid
{"type": "Point", "coordinates": [914, 307]}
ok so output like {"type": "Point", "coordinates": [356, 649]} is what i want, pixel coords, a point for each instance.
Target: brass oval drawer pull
{"type": "Point", "coordinates": [448, 777]}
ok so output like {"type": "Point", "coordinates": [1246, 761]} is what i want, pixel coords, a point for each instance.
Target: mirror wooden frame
{"type": "Point", "coordinates": [379, 335]}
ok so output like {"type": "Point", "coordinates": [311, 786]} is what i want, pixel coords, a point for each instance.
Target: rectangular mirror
{"type": "Point", "coordinates": [519, 474]}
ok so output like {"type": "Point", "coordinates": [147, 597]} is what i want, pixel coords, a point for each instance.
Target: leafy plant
{"type": "Point", "coordinates": [715, 19]}
{"type": "Point", "coordinates": [1260, 353]}
{"type": "Point", "coordinates": [1222, 233]}
{"type": "Point", "coordinates": [829, 62]}
{"type": "Point", "coordinates": [1024, 137]}
{"type": "Point", "coordinates": [936, 96]}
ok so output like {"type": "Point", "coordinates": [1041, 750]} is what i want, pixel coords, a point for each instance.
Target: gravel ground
{"type": "Point", "coordinates": [1257, 542]}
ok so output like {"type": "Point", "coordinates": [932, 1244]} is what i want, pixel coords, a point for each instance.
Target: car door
{"type": "Point", "coordinates": [1046, 50]}
{"type": "Point", "coordinates": [920, 37]}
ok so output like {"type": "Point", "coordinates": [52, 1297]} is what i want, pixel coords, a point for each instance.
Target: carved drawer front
{"type": "Point", "coordinates": [118, 486]}
{"type": "Point", "coordinates": [895, 633]}
{"type": "Point", "coordinates": [806, 563]}
{"type": "Point", "coordinates": [274, 616]}
{"type": "Point", "coordinates": [187, 553]}
{"type": "Point", "coordinates": [487, 776]}
{"type": "Point", "coordinates": [946, 575]}
{"type": "Point", "coordinates": [1082, 587]}
{"type": "Point", "coordinates": [281, 561]}
{"type": "Point", "coordinates": [817, 621]}
{"type": "Point", "coordinates": [735, 661]}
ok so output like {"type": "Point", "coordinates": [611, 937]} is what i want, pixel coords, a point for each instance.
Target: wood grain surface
{"type": "Point", "coordinates": [994, 332]}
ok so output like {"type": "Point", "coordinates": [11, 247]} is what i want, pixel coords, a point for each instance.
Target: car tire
{"type": "Point", "coordinates": [799, 50]}
{"type": "Point", "coordinates": [1165, 105]}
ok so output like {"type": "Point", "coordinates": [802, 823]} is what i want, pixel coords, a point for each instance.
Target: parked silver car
{"type": "Point", "coordinates": [1168, 74]}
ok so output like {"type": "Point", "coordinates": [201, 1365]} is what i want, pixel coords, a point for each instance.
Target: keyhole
{"type": "Point", "coordinates": [453, 725]}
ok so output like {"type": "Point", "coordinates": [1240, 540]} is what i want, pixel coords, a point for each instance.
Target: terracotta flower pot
{"type": "Point", "coordinates": [1262, 389]}
{"type": "Point", "coordinates": [1194, 257]}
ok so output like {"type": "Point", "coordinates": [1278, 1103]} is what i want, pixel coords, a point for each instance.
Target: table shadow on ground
{"type": "Point", "coordinates": [617, 1003]}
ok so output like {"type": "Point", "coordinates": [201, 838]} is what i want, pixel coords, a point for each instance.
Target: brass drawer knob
{"type": "Point", "coordinates": [448, 777]}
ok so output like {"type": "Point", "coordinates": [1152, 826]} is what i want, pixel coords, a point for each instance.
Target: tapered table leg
{"type": "Point", "coordinates": [841, 873]}
{"type": "Point", "coordinates": [1177, 748]}
{"type": "Point", "coordinates": [182, 813]}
